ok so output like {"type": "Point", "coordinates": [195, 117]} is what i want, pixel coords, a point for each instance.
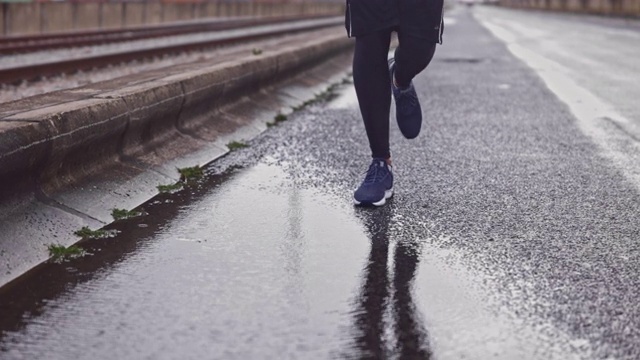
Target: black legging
{"type": "Point", "coordinates": [372, 81]}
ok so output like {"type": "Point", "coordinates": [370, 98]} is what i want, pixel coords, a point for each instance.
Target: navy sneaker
{"type": "Point", "coordinates": [408, 111]}
{"type": "Point", "coordinates": [377, 186]}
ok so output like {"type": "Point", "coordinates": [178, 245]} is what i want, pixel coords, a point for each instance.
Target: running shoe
{"type": "Point", "coordinates": [377, 186]}
{"type": "Point", "coordinates": [408, 111]}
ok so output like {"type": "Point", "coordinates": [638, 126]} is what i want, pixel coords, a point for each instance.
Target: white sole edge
{"type": "Point", "coordinates": [387, 195]}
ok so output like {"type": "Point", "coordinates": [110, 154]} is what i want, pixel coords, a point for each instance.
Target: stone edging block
{"type": "Point", "coordinates": [59, 144]}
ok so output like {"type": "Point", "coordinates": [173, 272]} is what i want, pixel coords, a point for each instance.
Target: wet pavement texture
{"type": "Point", "coordinates": [511, 235]}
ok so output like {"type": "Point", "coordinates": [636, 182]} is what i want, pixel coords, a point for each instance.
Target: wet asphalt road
{"type": "Point", "coordinates": [513, 234]}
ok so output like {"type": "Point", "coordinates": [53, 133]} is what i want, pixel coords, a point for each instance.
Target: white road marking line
{"type": "Point", "coordinates": [595, 117]}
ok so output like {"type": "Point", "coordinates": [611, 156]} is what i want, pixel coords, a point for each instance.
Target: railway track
{"type": "Point", "coordinates": [29, 43]}
{"type": "Point", "coordinates": [222, 33]}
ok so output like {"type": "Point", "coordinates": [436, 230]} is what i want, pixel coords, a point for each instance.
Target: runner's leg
{"type": "Point", "coordinates": [412, 56]}
{"type": "Point", "coordinates": [371, 80]}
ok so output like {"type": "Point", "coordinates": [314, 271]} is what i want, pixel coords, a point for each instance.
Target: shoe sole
{"type": "Point", "coordinates": [387, 195]}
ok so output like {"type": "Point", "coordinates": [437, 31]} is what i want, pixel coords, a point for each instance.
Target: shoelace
{"type": "Point", "coordinates": [375, 173]}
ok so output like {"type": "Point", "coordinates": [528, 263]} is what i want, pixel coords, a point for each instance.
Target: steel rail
{"type": "Point", "coordinates": [31, 43]}
{"type": "Point", "coordinates": [28, 72]}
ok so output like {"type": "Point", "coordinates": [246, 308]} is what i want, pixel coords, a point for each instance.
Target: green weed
{"type": "Point", "coordinates": [280, 117]}
{"type": "Point", "coordinates": [236, 145]}
{"type": "Point", "coordinates": [171, 188]}
{"type": "Point", "coordinates": [87, 233]}
{"type": "Point", "coordinates": [328, 94]}
{"type": "Point", "coordinates": [191, 173]}
{"type": "Point", "coordinates": [61, 252]}
{"type": "Point", "coordinates": [120, 214]}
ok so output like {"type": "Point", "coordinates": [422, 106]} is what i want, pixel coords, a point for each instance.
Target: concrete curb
{"type": "Point", "coordinates": [68, 158]}
{"type": "Point", "coordinates": [47, 146]}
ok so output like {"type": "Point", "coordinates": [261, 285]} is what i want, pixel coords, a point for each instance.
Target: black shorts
{"type": "Point", "coordinates": [419, 18]}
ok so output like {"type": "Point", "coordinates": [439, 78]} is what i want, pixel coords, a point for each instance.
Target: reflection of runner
{"type": "Point", "coordinates": [409, 338]}
{"type": "Point", "coordinates": [419, 27]}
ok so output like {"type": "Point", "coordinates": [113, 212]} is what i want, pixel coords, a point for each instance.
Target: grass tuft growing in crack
{"type": "Point", "coordinates": [190, 173]}
{"type": "Point", "coordinates": [280, 117]}
{"type": "Point", "coordinates": [187, 175]}
{"type": "Point", "coordinates": [87, 233]}
{"type": "Point", "coordinates": [170, 188]}
{"type": "Point", "coordinates": [327, 95]}
{"type": "Point", "coordinates": [60, 252]}
{"type": "Point", "coordinates": [236, 145]}
{"type": "Point", "coordinates": [121, 214]}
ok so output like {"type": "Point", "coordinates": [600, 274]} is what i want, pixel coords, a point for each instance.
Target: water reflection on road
{"type": "Point", "coordinates": [386, 320]}
{"type": "Point", "coordinates": [255, 265]}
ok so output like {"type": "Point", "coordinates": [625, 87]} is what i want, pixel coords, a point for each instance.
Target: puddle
{"type": "Point", "coordinates": [257, 261]}
{"type": "Point", "coordinates": [250, 264]}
